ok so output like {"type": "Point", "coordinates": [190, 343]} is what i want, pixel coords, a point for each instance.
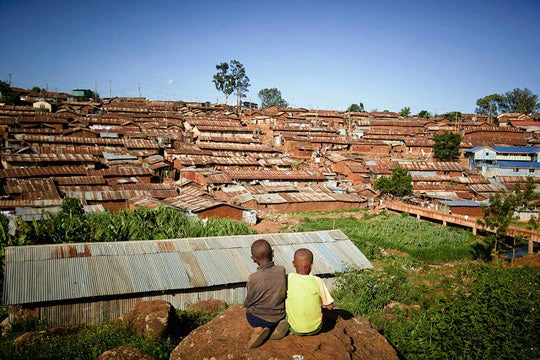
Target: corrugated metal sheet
{"type": "Point", "coordinates": [59, 273]}
{"type": "Point", "coordinates": [41, 172]}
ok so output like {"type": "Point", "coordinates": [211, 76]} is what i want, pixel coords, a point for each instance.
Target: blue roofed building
{"type": "Point", "coordinates": [504, 160]}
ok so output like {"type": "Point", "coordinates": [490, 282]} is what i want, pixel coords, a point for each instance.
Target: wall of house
{"type": "Point", "coordinates": [467, 210]}
{"type": "Point", "coordinates": [377, 149]}
{"type": "Point", "coordinates": [92, 312]}
{"type": "Point", "coordinates": [311, 206]}
{"type": "Point", "coordinates": [490, 171]}
{"type": "Point", "coordinates": [223, 211]}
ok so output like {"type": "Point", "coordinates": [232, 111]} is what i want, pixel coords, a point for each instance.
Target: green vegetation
{"type": "Point", "coordinates": [230, 78]}
{"type": "Point", "coordinates": [405, 111]}
{"type": "Point", "coordinates": [88, 342]}
{"type": "Point", "coordinates": [356, 108]}
{"type": "Point", "coordinates": [7, 95]}
{"type": "Point", "coordinates": [430, 297]}
{"type": "Point", "coordinates": [446, 146]}
{"type": "Point", "coordinates": [430, 293]}
{"type": "Point", "coordinates": [453, 116]}
{"type": "Point", "coordinates": [271, 97]}
{"type": "Point", "coordinates": [399, 184]}
{"type": "Point", "coordinates": [423, 242]}
{"type": "Point", "coordinates": [424, 114]}
{"type": "Point", "coordinates": [72, 225]}
{"type": "Point", "coordinates": [516, 101]}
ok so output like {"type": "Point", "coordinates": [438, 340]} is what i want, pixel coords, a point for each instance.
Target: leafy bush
{"type": "Point", "coordinates": [88, 343]}
{"type": "Point", "coordinates": [491, 314]}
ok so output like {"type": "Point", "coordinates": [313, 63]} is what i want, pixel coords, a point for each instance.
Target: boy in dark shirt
{"type": "Point", "coordinates": [265, 299]}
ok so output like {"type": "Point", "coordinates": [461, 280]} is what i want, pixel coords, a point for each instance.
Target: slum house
{"type": "Point", "coordinates": [283, 197]}
{"type": "Point", "coordinates": [419, 147]}
{"type": "Point", "coordinates": [206, 207]}
{"type": "Point", "coordinates": [494, 135]}
{"type": "Point", "coordinates": [371, 149]}
{"type": "Point", "coordinates": [431, 167]}
{"type": "Point", "coordinates": [304, 177]}
{"type": "Point", "coordinates": [91, 282]}
{"type": "Point", "coordinates": [210, 180]}
{"type": "Point", "coordinates": [504, 160]}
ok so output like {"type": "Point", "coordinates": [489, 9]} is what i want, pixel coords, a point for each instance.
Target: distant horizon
{"type": "Point", "coordinates": [427, 55]}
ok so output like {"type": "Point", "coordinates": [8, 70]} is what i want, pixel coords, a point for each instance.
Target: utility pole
{"type": "Point", "coordinates": [110, 89]}
{"type": "Point", "coordinates": [9, 82]}
{"type": "Point", "coordinates": [139, 90]}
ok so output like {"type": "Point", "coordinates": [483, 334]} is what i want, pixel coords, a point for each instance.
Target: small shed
{"type": "Point", "coordinates": [90, 282]}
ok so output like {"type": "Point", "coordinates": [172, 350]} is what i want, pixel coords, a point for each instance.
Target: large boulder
{"type": "Point", "coordinates": [155, 318]}
{"type": "Point", "coordinates": [343, 337]}
{"type": "Point", "coordinates": [124, 353]}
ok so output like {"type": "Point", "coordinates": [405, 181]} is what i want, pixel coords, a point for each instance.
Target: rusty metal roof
{"type": "Point", "coordinates": [44, 158]}
{"type": "Point", "coordinates": [223, 146]}
{"type": "Point", "coordinates": [289, 175]}
{"type": "Point", "coordinates": [39, 171]}
{"type": "Point", "coordinates": [78, 271]}
{"type": "Point", "coordinates": [121, 172]}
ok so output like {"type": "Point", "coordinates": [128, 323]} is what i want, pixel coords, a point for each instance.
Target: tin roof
{"type": "Point", "coordinates": [78, 271]}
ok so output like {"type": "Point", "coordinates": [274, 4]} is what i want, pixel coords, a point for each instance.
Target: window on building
{"type": "Point", "coordinates": [531, 170]}
{"type": "Point", "coordinates": [516, 170]}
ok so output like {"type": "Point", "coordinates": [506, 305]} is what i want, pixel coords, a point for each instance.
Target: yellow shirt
{"type": "Point", "coordinates": [305, 295]}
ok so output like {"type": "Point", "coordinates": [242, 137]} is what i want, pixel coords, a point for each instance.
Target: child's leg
{"type": "Point", "coordinates": [261, 330]}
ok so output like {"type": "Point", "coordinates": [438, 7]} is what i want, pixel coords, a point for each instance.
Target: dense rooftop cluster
{"type": "Point", "coordinates": [209, 160]}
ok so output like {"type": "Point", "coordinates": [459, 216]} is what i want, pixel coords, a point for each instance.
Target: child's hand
{"type": "Point", "coordinates": [330, 306]}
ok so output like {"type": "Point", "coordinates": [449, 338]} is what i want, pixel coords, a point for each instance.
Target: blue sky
{"type": "Point", "coordinates": [433, 55]}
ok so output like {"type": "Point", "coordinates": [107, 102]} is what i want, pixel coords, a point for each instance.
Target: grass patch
{"type": "Point", "coordinates": [423, 241]}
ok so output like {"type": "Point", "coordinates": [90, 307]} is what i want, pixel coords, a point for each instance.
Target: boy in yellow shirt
{"type": "Point", "coordinates": [306, 294]}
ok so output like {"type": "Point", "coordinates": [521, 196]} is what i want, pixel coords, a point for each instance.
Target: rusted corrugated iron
{"type": "Point", "coordinates": [78, 271]}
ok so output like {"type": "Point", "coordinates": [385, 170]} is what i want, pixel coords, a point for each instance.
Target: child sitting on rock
{"type": "Point", "coordinates": [306, 294]}
{"type": "Point", "coordinates": [265, 298]}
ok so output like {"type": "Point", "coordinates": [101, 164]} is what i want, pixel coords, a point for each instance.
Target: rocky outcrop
{"type": "Point", "coordinates": [343, 337]}
{"type": "Point", "coordinates": [124, 353]}
{"type": "Point", "coordinates": [155, 318]}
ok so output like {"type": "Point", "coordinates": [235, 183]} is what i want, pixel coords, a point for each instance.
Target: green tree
{"type": "Point", "coordinates": [453, 116]}
{"type": "Point", "coordinates": [8, 96]}
{"type": "Point", "coordinates": [499, 213]}
{"type": "Point", "coordinates": [521, 101]}
{"type": "Point", "coordinates": [356, 108]}
{"type": "Point", "coordinates": [271, 97]}
{"type": "Point", "coordinates": [240, 82]}
{"type": "Point", "coordinates": [424, 114]}
{"type": "Point", "coordinates": [406, 111]}
{"type": "Point", "coordinates": [399, 184]}
{"type": "Point", "coordinates": [490, 105]}
{"type": "Point", "coordinates": [223, 80]}
{"type": "Point", "coordinates": [446, 146]}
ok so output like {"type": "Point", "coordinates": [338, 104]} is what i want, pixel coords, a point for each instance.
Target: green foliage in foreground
{"type": "Point", "coordinates": [89, 342]}
{"type": "Point", "coordinates": [482, 311]}
{"type": "Point", "coordinates": [72, 225]}
{"type": "Point", "coordinates": [461, 310]}
{"type": "Point", "coordinates": [422, 241]}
